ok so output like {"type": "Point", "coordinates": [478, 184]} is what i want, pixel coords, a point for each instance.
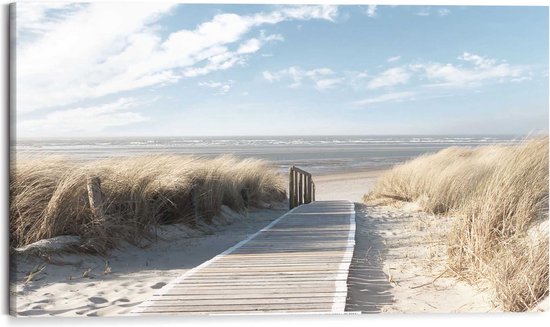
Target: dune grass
{"type": "Point", "coordinates": [48, 195]}
{"type": "Point", "coordinates": [499, 196]}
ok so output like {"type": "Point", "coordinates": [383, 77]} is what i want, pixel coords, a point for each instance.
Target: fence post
{"type": "Point", "coordinates": [309, 189]}
{"type": "Point", "coordinates": [301, 191]}
{"type": "Point", "coordinates": [295, 185]}
{"type": "Point", "coordinates": [306, 186]}
{"type": "Point", "coordinates": [291, 188]}
{"type": "Point", "coordinates": [95, 197]}
{"type": "Point", "coordinates": [301, 187]}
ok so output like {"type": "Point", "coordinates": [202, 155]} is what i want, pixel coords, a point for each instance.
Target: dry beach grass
{"type": "Point", "coordinates": [48, 195]}
{"type": "Point", "coordinates": [498, 196]}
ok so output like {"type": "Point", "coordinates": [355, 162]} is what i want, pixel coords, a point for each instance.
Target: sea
{"type": "Point", "coordinates": [316, 154]}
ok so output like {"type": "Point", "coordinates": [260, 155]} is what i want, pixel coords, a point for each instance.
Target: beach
{"type": "Point", "coordinates": [86, 285]}
{"type": "Point", "coordinates": [112, 285]}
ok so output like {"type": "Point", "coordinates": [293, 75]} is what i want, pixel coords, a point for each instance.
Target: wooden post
{"type": "Point", "coordinates": [291, 189]}
{"type": "Point", "coordinates": [309, 191]}
{"type": "Point", "coordinates": [301, 191]}
{"type": "Point", "coordinates": [95, 198]}
{"type": "Point", "coordinates": [301, 187]}
{"type": "Point", "coordinates": [295, 188]}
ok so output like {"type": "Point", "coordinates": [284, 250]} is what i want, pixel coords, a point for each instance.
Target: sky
{"type": "Point", "coordinates": [191, 69]}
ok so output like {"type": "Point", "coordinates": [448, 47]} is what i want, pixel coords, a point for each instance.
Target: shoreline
{"type": "Point", "coordinates": [350, 174]}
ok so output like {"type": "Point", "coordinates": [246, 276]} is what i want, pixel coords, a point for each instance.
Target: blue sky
{"type": "Point", "coordinates": [176, 70]}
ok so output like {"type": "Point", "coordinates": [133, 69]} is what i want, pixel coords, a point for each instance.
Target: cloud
{"type": "Point", "coordinates": [91, 52]}
{"type": "Point", "coordinates": [471, 70]}
{"type": "Point", "coordinates": [222, 88]}
{"type": "Point", "coordinates": [84, 120]}
{"type": "Point", "coordinates": [393, 59]}
{"type": "Point", "coordinates": [391, 77]}
{"type": "Point", "coordinates": [254, 44]}
{"type": "Point", "coordinates": [39, 17]}
{"type": "Point", "coordinates": [371, 10]}
{"type": "Point", "coordinates": [296, 75]}
{"type": "Point", "coordinates": [443, 12]}
{"type": "Point", "coordinates": [481, 70]}
{"type": "Point", "coordinates": [389, 97]}
{"type": "Point", "coordinates": [424, 12]}
{"type": "Point", "coordinates": [329, 83]}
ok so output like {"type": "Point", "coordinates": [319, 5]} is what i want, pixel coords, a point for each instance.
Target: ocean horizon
{"type": "Point", "coordinates": [318, 154]}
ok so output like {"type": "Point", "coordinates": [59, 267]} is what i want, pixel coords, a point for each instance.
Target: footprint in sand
{"type": "Point", "coordinates": [121, 300]}
{"type": "Point", "coordinates": [97, 300]}
{"type": "Point", "coordinates": [158, 285]}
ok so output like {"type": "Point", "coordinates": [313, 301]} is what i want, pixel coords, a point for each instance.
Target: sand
{"type": "Point", "coordinates": [84, 285]}
{"type": "Point", "coordinates": [399, 266]}
{"type": "Point", "coordinates": [399, 254]}
{"type": "Point", "coordinates": [345, 186]}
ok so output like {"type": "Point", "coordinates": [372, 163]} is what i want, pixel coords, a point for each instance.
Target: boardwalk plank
{"type": "Point", "coordinates": [298, 264]}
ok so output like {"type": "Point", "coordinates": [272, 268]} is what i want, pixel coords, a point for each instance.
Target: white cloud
{"type": "Point", "coordinates": [424, 12]}
{"type": "Point", "coordinates": [297, 75]}
{"type": "Point", "coordinates": [254, 44]}
{"type": "Point", "coordinates": [391, 77]}
{"type": "Point", "coordinates": [41, 17]}
{"type": "Point", "coordinates": [222, 88]}
{"type": "Point", "coordinates": [356, 79]}
{"type": "Point", "coordinates": [371, 10]}
{"type": "Point", "coordinates": [83, 120]}
{"type": "Point", "coordinates": [393, 59]}
{"type": "Point", "coordinates": [443, 12]}
{"type": "Point", "coordinates": [477, 60]}
{"type": "Point", "coordinates": [389, 97]}
{"type": "Point", "coordinates": [329, 83]}
{"type": "Point", "coordinates": [481, 70]}
{"type": "Point", "coordinates": [92, 52]}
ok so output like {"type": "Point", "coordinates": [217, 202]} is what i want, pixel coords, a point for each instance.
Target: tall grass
{"type": "Point", "coordinates": [499, 196]}
{"type": "Point", "coordinates": [48, 196]}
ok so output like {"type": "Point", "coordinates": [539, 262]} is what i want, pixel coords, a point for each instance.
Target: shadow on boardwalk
{"type": "Point", "coordinates": [368, 285]}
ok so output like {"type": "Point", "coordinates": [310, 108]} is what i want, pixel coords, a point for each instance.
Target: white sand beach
{"type": "Point", "coordinates": [84, 285]}
{"type": "Point", "coordinates": [397, 266]}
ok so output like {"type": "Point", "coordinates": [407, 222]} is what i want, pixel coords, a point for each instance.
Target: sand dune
{"type": "Point", "coordinates": [395, 256]}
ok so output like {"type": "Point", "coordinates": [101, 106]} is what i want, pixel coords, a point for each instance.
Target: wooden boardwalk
{"type": "Point", "coordinates": [297, 264]}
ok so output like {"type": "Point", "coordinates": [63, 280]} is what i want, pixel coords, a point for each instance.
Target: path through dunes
{"type": "Point", "coordinates": [297, 264]}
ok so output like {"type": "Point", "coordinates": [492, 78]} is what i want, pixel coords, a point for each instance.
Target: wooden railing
{"type": "Point", "coordinates": [301, 188]}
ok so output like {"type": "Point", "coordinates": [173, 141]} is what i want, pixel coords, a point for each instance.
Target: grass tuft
{"type": "Point", "coordinates": [499, 196]}
{"type": "Point", "coordinates": [49, 197]}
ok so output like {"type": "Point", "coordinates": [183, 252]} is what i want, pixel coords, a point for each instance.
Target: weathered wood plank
{"type": "Point", "coordinates": [242, 301]}
{"type": "Point", "coordinates": [238, 312]}
{"type": "Point", "coordinates": [271, 294]}
{"type": "Point", "coordinates": [300, 191]}
{"type": "Point", "coordinates": [296, 264]}
{"type": "Point", "coordinates": [244, 307]}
